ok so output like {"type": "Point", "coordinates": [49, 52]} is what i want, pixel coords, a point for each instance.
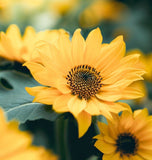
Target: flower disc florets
{"type": "Point", "coordinates": [127, 143]}
{"type": "Point", "coordinates": [84, 81]}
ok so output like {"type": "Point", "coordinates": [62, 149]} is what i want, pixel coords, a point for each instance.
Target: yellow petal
{"type": "Point", "coordinates": [104, 110]}
{"type": "Point", "coordinates": [29, 35]}
{"type": "Point", "coordinates": [103, 128]}
{"type": "Point", "coordinates": [35, 90]}
{"type": "Point", "coordinates": [53, 58]}
{"type": "Point", "coordinates": [145, 154]}
{"type": "Point", "coordinates": [41, 74]}
{"type": "Point", "coordinates": [78, 47]}
{"type": "Point", "coordinates": [98, 137]}
{"type": "Point", "coordinates": [65, 46]}
{"type": "Point", "coordinates": [93, 46]}
{"type": "Point", "coordinates": [84, 122]}
{"type": "Point", "coordinates": [61, 103]}
{"type": "Point", "coordinates": [108, 96]}
{"type": "Point", "coordinates": [126, 65]}
{"type": "Point", "coordinates": [2, 121]}
{"type": "Point", "coordinates": [114, 156]}
{"type": "Point", "coordinates": [14, 35]}
{"type": "Point", "coordinates": [8, 48]}
{"type": "Point", "coordinates": [33, 153]}
{"type": "Point", "coordinates": [62, 85]}
{"type": "Point", "coordinates": [44, 95]}
{"type": "Point", "coordinates": [105, 147]}
{"type": "Point", "coordinates": [8, 145]}
{"type": "Point", "coordinates": [131, 92]}
{"type": "Point", "coordinates": [137, 157]}
{"type": "Point", "coordinates": [111, 53]}
{"type": "Point", "coordinates": [109, 139]}
{"type": "Point", "coordinates": [93, 107]}
{"type": "Point", "coordinates": [76, 105]}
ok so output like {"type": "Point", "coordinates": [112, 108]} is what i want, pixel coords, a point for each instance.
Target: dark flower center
{"type": "Point", "coordinates": [127, 144]}
{"type": "Point", "coordinates": [84, 81]}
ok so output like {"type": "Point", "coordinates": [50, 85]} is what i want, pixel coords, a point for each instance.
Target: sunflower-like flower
{"type": "Point", "coordinates": [101, 10]}
{"type": "Point", "coordinates": [61, 7]}
{"type": "Point", "coordinates": [16, 144]}
{"type": "Point", "coordinates": [15, 47]}
{"type": "Point", "coordinates": [127, 137]}
{"type": "Point", "coordinates": [85, 77]}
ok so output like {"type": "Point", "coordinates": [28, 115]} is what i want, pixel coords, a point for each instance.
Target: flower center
{"type": "Point", "coordinates": [84, 81]}
{"type": "Point", "coordinates": [127, 144]}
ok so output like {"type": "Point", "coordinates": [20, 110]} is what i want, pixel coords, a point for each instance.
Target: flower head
{"type": "Point", "coordinates": [101, 10]}
{"type": "Point", "coordinates": [15, 47]}
{"type": "Point", "coordinates": [85, 77]}
{"type": "Point", "coordinates": [127, 137]}
{"type": "Point", "coordinates": [61, 7]}
{"type": "Point", "coordinates": [16, 144]}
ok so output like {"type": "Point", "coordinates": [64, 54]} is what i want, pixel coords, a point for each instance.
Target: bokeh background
{"type": "Point", "coordinates": [130, 18]}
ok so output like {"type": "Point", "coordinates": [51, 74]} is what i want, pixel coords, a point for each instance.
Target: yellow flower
{"type": "Point", "coordinates": [62, 6]}
{"type": "Point", "coordinates": [101, 10]}
{"type": "Point", "coordinates": [16, 144]}
{"type": "Point", "coordinates": [127, 137]}
{"type": "Point", "coordinates": [85, 77]}
{"type": "Point", "coordinates": [32, 4]}
{"type": "Point", "coordinates": [6, 7]}
{"type": "Point", "coordinates": [15, 47]}
{"type": "Point", "coordinates": [4, 4]}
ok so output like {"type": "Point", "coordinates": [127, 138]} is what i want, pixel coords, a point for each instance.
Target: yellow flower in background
{"type": "Point", "coordinates": [85, 77]}
{"type": "Point", "coordinates": [16, 144]}
{"type": "Point", "coordinates": [32, 4]}
{"type": "Point", "coordinates": [127, 137]}
{"type": "Point", "coordinates": [6, 7]}
{"type": "Point", "coordinates": [146, 60]}
{"type": "Point", "coordinates": [61, 7]}
{"type": "Point", "coordinates": [15, 47]}
{"type": "Point", "coordinates": [101, 10]}
{"type": "Point", "coordinates": [3, 3]}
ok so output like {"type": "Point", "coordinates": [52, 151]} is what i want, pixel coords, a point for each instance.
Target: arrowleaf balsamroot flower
{"type": "Point", "coordinates": [16, 144]}
{"type": "Point", "coordinates": [127, 137]}
{"type": "Point", "coordinates": [85, 77]}
{"type": "Point", "coordinates": [15, 47]}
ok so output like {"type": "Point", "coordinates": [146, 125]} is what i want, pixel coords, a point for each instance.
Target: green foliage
{"type": "Point", "coordinates": [17, 103]}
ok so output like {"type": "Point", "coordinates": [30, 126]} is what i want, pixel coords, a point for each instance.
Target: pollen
{"type": "Point", "coordinates": [84, 81]}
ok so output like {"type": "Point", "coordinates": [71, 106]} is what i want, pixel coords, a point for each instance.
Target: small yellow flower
{"type": "Point", "coordinates": [16, 144]}
{"type": "Point", "coordinates": [15, 47]}
{"type": "Point", "coordinates": [85, 77]}
{"type": "Point", "coordinates": [101, 10]}
{"type": "Point", "coordinates": [127, 137]}
{"type": "Point", "coordinates": [6, 7]}
{"type": "Point", "coordinates": [61, 7]}
{"type": "Point", "coordinates": [4, 4]}
{"type": "Point", "coordinates": [32, 4]}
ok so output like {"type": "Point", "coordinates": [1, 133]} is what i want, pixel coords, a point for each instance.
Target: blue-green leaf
{"type": "Point", "coordinates": [17, 103]}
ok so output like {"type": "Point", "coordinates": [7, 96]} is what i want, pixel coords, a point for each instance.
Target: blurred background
{"type": "Point", "coordinates": [130, 18]}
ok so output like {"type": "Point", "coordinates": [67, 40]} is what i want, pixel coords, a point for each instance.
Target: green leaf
{"type": "Point", "coordinates": [17, 103]}
{"type": "Point", "coordinates": [93, 158]}
{"type": "Point", "coordinates": [31, 111]}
